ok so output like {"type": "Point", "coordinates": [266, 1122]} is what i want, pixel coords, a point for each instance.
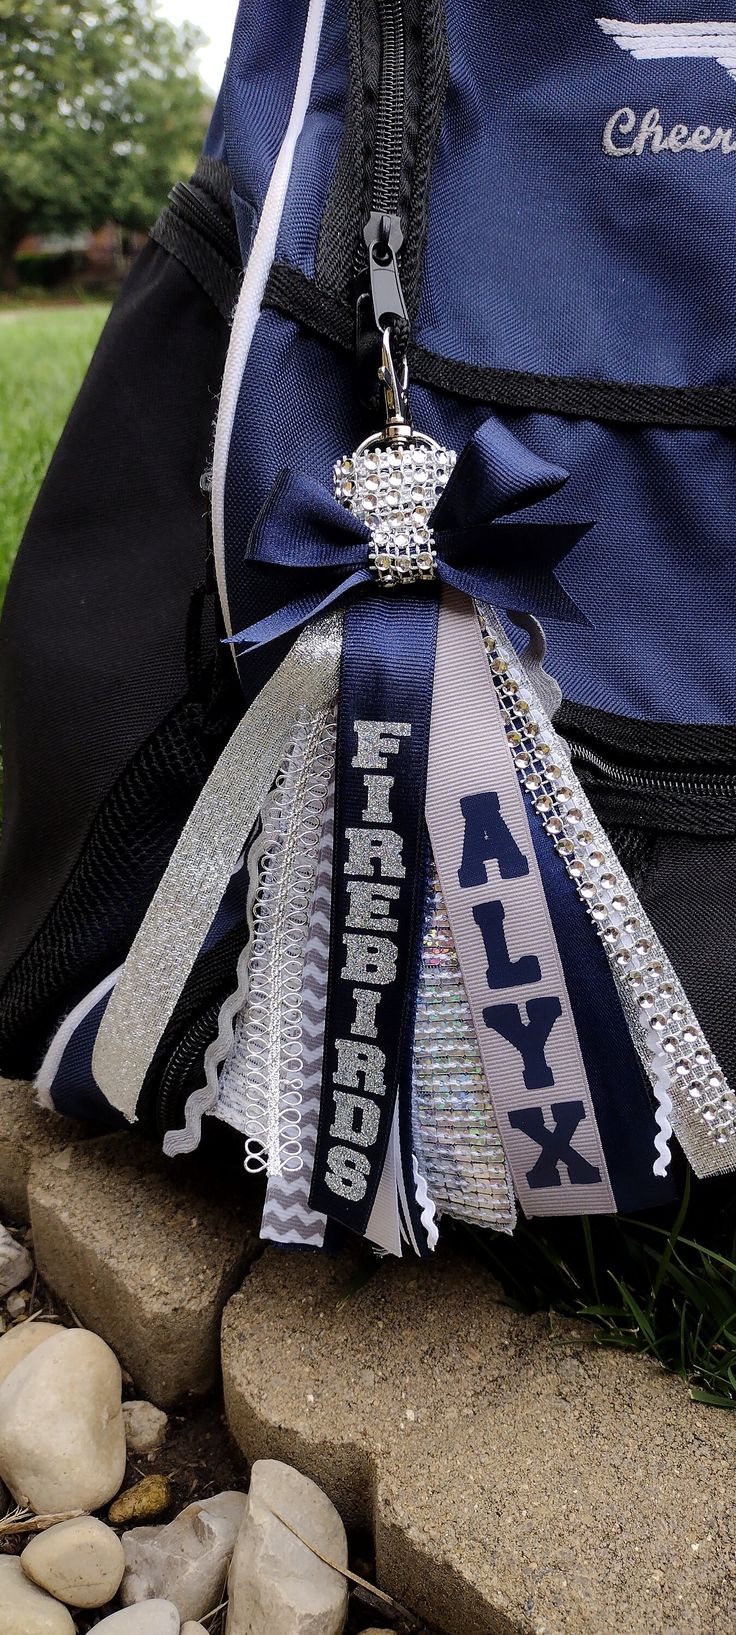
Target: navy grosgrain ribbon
{"type": "Point", "coordinates": [307, 552]}
{"type": "Point", "coordinates": [384, 712]}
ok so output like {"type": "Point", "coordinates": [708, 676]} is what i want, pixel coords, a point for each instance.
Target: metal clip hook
{"type": "Point", "coordinates": [395, 392]}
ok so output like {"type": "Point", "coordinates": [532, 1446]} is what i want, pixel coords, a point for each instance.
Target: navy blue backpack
{"type": "Point", "coordinates": [367, 670]}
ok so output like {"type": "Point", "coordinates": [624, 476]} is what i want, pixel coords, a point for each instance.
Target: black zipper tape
{"type": "Point", "coordinates": [398, 74]}
{"type": "Point", "coordinates": [660, 745]}
{"type": "Point", "coordinates": [675, 781]}
{"type": "Point", "coordinates": [200, 212]}
{"type": "Point", "coordinates": [388, 140]}
{"type": "Point", "coordinates": [184, 1069]}
{"type": "Point", "coordinates": [659, 776]}
{"type": "Point", "coordinates": [188, 1032]}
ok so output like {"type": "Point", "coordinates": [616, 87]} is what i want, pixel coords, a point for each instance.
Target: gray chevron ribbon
{"type": "Point", "coordinates": [287, 1217]}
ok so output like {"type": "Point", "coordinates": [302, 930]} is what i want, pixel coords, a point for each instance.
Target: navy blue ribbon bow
{"type": "Point", "coordinates": [319, 551]}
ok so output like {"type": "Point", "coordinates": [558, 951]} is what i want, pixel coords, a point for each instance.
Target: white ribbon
{"type": "Point", "coordinates": [469, 755]}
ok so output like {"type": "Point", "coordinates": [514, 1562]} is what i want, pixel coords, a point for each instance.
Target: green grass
{"type": "Point", "coordinates": [44, 353]}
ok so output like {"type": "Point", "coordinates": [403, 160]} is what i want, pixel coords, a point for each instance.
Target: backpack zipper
{"type": "Point", "coordinates": [206, 220]}
{"type": "Point", "coordinates": [698, 785]}
{"type": "Point", "coordinates": [383, 232]}
{"type": "Point", "coordinates": [171, 1093]}
{"type": "Point", "coordinates": [389, 135]}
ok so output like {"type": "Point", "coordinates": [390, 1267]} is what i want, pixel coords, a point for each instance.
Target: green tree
{"type": "Point", "coordinates": [101, 108]}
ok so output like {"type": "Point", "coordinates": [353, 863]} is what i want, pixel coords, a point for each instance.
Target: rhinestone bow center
{"type": "Point", "coordinates": [393, 488]}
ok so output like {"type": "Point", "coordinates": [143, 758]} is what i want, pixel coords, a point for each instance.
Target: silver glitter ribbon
{"type": "Point", "coordinates": [189, 895]}
{"type": "Point", "coordinates": [203, 1100]}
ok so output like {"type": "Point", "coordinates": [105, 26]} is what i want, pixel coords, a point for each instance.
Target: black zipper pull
{"type": "Point", "coordinates": [384, 236]}
{"type": "Point", "coordinates": [382, 321]}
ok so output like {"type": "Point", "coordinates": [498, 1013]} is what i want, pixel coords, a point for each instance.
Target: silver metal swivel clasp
{"type": "Point", "coordinates": [395, 386]}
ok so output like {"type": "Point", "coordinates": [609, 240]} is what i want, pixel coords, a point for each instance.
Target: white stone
{"type": "Point", "coordinates": [16, 1264]}
{"type": "Point", "coordinates": [79, 1561]}
{"type": "Point", "coordinates": [187, 1561]}
{"type": "Point", "coordinates": [145, 1427]}
{"type": "Point", "coordinates": [277, 1585]}
{"type": "Point", "coordinates": [190, 1628]}
{"type": "Point", "coordinates": [62, 1440]}
{"type": "Point", "coordinates": [150, 1618]}
{"type": "Point", "coordinates": [25, 1610]}
{"type": "Point", "coordinates": [19, 1341]}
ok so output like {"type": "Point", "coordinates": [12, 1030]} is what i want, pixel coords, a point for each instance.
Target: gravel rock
{"type": "Point", "coordinates": [145, 1427]}
{"type": "Point", "coordinates": [20, 1341]}
{"type": "Point", "coordinates": [145, 1501]}
{"type": "Point", "coordinates": [16, 1264]}
{"type": "Point", "coordinates": [187, 1562]}
{"type": "Point", "coordinates": [80, 1562]}
{"type": "Point", "coordinates": [25, 1610]}
{"type": "Point", "coordinates": [17, 1303]}
{"type": "Point", "coordinates": [150, 1618]}
{"type": "Point", "coordinates": [277, 1586]}
{"type": "Point", "coordinates": [62, 1441]}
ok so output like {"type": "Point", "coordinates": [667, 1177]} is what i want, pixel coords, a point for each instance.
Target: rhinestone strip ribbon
{"type": "Point", "coordinates": [682, 1069]}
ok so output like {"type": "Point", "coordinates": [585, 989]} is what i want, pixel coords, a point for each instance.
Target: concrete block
{"type": "Point", "coordinates": [146, 1251]}
{"type": "Point", "coordinates": [27, 1131]}
{"type": "Point", "coordinates": [519, 1479]}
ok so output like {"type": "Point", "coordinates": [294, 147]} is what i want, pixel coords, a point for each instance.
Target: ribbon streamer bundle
{"type": "Point", "coordinates": [451, 999]}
